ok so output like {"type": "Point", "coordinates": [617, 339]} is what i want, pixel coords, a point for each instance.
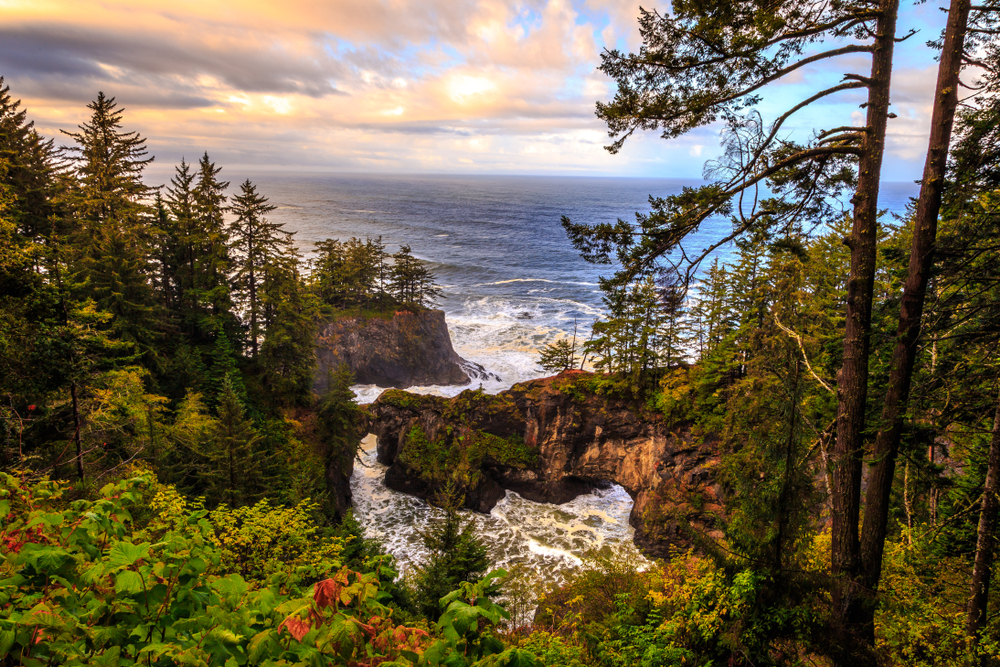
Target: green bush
{"type": "Point", "coordinates": [81, 584]}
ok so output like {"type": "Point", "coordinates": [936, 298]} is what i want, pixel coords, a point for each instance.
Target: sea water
{"type": "Point", "coordinates": [511, 282]}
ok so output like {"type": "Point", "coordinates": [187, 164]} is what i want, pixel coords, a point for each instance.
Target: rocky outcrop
{"type": "Point", "coordinates": [551, 440]}
{"type": "Point", "coordinates": [404, 350]}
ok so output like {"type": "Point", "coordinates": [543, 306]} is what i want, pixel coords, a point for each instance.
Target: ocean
{"type": "Point", "coordinates": [510, 279]}
{"type": "Point", "coordinates": [511, 282]}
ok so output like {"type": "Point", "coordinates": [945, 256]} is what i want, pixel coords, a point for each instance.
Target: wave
{"type": "Point", "coordinates": [536, 280]}
{"type": "Point", "coordinates": [549, 539]}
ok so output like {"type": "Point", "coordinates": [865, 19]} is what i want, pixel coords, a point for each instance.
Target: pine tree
{"type": "Point", "coordinates": [290, 313]}
{"type": "Point", "coordinates": [456, 555]}
{"type": "Point", "coordinates": [29, 173]}
{"type": "Point", "coordinates": [411, 282]}
{"type": "Point", "coordinates": [558, 356]}
{"type": "Point", "coordinates": [213, 265]}
{"type": "Point", "coordinates": [115, 222]}
{"type": "Point", "coordinates": [223, 369]}
{"type": "Point", "coordinates": [182, 235]}
{"type": "Point", "coordinates": [234, 454]}
{"type": "Point", "coordinates": [255, 243]}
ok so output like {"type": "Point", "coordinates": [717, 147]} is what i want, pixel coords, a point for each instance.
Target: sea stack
{"type": "Point", "coordinates": [404, 348]}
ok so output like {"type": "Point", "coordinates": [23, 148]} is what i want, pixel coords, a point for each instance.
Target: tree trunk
{"type": "Point", "coordinates": [911, 308]}
{"type": "Point", "coordinates": [253, 315]}
{"type": "Point", "coordinates": [76, 431]}
{"type": "Point", "coordinates": [852, 386]}
{"type": "Point", "coordinates": [979, 593]}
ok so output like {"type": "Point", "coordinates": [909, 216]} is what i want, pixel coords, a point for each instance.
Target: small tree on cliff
{"type": "Point", "coordinates": [411, 282]}
{"type": "Point", "coordinates": [558, 356]}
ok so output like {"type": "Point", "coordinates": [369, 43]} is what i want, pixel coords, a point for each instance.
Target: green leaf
{"type": "Point", "coordinates": [124, 554]}
{"type": "Point", "coordinates": [6, 641]}
{"type": "Point", "coordinates": [128, 581]}
{"type": "Point", "coordinates": [436, 652]}
{"type": "Point", "coordinates": [264, 645]}
{"type": "Point", "coordinates": [109, 658]}
{"type": "Point", "coordinates": [44, 558]}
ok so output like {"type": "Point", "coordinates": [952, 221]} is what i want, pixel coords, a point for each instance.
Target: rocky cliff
{"type": "Point", "coordinates": [551, 440]}
{"type": "Point", "coordinates": [405, 350]}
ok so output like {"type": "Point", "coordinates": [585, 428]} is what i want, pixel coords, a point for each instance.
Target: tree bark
{"type": "Point", "coordinates": [76, 431]}
{"type": "Point", "coordinates": [911, 308]}
{"type": "Point", "coordinates": [979, 593]}
{"type": "Point", "coordinates": [852, 387]}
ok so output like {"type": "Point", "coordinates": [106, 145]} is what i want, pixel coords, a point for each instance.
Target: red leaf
{"type": "Point", "coordinates": [326, 593]}
{"type": "Point", "coordinates": [297, 627]}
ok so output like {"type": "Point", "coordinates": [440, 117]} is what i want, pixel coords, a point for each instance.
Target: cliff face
{"type": "Point", "coordinates": [551, 440]}
{"type": "Point", "coordinates": [407, 350]}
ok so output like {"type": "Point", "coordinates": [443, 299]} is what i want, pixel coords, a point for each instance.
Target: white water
{"type": "Point", "coordinates": [548, 539]}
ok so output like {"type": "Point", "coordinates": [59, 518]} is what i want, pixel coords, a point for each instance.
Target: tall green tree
{"type": "Point", "coordinates": [111, 206]}
{"type": "Point", "coordinates": [411, 282]}
{"type": "Point", "coordinates": [213, 265]}
{"type": "Point", "coordinates": [290, 314]}
{"type": "Point", "coordinates": [256, 244]}
{"type": "Point", "coordinates": [712, 61]}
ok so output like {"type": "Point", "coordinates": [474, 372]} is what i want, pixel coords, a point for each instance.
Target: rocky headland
{"type": "Point", "coordinates": [551, 440]}
{"type": "Point", "coordinates": [404, 348]}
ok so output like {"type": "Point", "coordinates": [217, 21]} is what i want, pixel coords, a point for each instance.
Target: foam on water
{"type": "Point", "coordinates": [548, 539]}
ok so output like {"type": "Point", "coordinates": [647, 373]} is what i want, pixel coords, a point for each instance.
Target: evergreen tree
{"type": "Point", "coordinates": [256, 244]}
{"type": "Point", "coordinates": [290, 313]}
{"type": "Point", "coordinates": [115, 222]}
{"type": "Point", "coordinates": [29, 172]}
{"type": "Point", "coordinates": [558, 356]}
{"type": "Point", "coordinates": [213, 265]}
{"type": "Point", "coordinates": [183, 231]}
{"type": "Point", "coordinates": [455, 555]}
{"type": "Point", "coordinates": [223, 369]}
{"type": "Point", "coordinates": [237, 464]}
{"type": "Point", "coordinates": [411, 282]}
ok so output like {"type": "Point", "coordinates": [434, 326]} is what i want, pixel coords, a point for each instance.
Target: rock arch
{"type": "Point", "coordinates": [551, 440]}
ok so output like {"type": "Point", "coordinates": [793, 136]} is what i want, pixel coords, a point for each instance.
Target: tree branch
{"type": "Point", "coordinates": [805, 357]}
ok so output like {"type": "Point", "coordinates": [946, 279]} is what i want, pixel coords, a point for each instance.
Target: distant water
{"type": "Point", "coordinates": [511, 283]}
{"type": "Point", "coordinates": [511, 280]}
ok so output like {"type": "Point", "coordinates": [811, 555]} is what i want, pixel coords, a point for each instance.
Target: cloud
{"type": "Point", "coordinates": [360, 84]}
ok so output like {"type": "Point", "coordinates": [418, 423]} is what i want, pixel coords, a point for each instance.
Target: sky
{"type": "Point", "coordinates": [392, 86]}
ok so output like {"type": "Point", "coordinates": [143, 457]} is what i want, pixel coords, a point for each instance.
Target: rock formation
{"type": "Point", "coordinates": [405, 350]}
{"type": "Point", "coordinates": [551, 440]}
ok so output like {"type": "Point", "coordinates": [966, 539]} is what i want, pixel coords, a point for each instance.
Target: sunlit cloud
{"type": "Point", "coordinates": [407, 85]}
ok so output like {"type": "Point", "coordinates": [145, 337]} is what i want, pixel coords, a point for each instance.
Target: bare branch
{"type": "Point", "coordinates": [805, 357]}
{"type": "Point", "coordinates": [843, 128]}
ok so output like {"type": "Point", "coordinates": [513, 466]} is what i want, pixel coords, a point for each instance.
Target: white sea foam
{"type": "Point", "coordinates": [549, 539]}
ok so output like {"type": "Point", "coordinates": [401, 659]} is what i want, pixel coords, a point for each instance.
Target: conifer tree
{"type": "Point", "coordinates": [182, 231]}
{"type": "Point", "coordinates": [29, 173]}
{"type": "Point", "coordinates": [558, 356]}
{"type": "Point", "coordinates": [224, 368]}
{"type": "Point", "coordinates": [411, 282]}
{"type": "Point", "coordinates": [115, 221]}
{"type": "Point", "coordinates": [213, 265]}
{"type": "Point", "coordinates": [236, 461]}
{"type": "Point", "coordinates": [711, 61]}
{"type": "Point", "coordinates": [256, 244]}
{"type": "Point", "coordinates": [456, 555]}
{"type": "Point", "coordinates": [290, 312]}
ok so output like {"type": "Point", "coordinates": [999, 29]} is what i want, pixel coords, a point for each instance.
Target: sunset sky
{"type": "Point", "coordinates": [397, 86]}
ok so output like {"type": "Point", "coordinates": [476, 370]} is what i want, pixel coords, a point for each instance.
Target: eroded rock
{"type": "Point", "coordinates": [405, 350]}
{"type": "Point", "coordinates": [551, 440]}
